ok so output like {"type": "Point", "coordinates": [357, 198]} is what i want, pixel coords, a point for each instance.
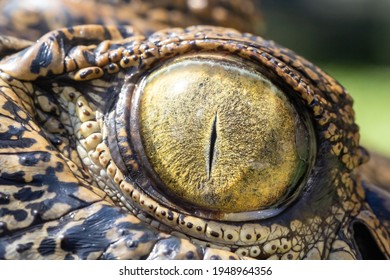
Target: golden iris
{"type": "Point", "coordinates": [219, 135]}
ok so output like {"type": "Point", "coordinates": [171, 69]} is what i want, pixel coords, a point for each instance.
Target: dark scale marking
{"type": "Point", "coordinates": [108, 256]}
{"type": "Point", "coordinates": [43, 59]}
{"type": "Point", "coordinates": [85, 73]}
{"type": "Point", "coordinates": [47, 247]}
{"type": "Point", "coordinates": [31, 159]}
{"type": "Point", "coordinates": [69, 257]}
{"type": "Point", "coordinates": [214, 234]}
{"type": "Point", "coordinates": [215, 257]}
{"type": "Point", "coordinates": [170, 215]}
{"type": "Point", "coordinates": [64, 192]}
{"type": "Point", "coordinates": [19, 215]}
{"type": "Point", "coordinates": [24, 247]}
{"type": "Point", "coordinates": [7, 138]}
{"type": "Point", "coordinates": [26, 194]}
{"type": "Point", "coordinates": [167, 252]}
{"type": "Point", "coordinates": [190, 255]}
{"type": "Point", "coordinates": [4, 198]}
{"type": "Point", "coordinates": [132, 244]}
{"type": "Point", "coordinates": [16, 179]}
{"type": "Point", "coordinates": [2, 249]}
{"type": "Point", "coordinates": [112, 66]}
{"type": "Point", "coordinates": [124, 31]}
{"type": "Point", "coordinates": [89, 57]}
{"type": "Point", "coordinates": [125, 60]}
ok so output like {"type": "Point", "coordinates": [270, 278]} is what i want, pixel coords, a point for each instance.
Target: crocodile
{"type": "Point", "coordinates": [138, 141]}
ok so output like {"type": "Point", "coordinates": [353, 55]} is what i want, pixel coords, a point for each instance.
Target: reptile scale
{"type": "Point", "coordinates": [143, 138]}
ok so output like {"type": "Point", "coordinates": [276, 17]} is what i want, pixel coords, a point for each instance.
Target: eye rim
{"type": "Point", "coordinates": [139, 171]}
{"type": "Point", "coordinates": [320, 99]}
{"type": "Point", "coordinates": [318, 94]}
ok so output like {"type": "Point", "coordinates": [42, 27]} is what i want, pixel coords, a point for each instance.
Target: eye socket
{"type": "Point", "coordinates": [217, 135]}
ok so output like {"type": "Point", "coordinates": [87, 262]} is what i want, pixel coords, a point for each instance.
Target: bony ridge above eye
{"type": "Point", "coordinates": [217, 135]}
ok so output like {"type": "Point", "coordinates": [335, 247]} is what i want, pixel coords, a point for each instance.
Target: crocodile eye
{"type": "Point", "coordinates": [217, 135]}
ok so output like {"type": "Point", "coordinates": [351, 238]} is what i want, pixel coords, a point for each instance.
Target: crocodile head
{"type": "Point", "coordinates": [196, 143]}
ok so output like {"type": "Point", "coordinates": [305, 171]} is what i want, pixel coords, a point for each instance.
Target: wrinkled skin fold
{"type": "Point", "coordinates": [67, 179]}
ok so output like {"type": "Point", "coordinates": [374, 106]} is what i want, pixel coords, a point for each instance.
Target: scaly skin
{"type": "Point", "coordinates": [67, 180]}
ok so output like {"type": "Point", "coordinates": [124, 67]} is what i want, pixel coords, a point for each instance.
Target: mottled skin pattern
{"type": "Point", "coordinates": [73, 187]}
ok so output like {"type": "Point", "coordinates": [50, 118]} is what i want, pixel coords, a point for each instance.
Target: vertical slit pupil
{"type": "Point", "coordinates": [213, 140]}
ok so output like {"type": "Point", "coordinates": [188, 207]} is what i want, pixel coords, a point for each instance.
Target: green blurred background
{"type": "Point", "coordinates": [350, 40]}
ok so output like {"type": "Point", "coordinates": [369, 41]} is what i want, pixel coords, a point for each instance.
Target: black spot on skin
{"type": "Point", "coordinates": [229, 236]}
{"type": "Point", "coordinates": [168, 252]}
{"type": "Point", "coordinates": [2, 227]}
{"type": "Point", "coordinates": [170, 215]}
{"type": "Point", "coordinates": [63, 192]}
{"type": "Point", "coordinates": [69, 257]}
{"type": "Point", "coordinates": [132, 244]}
{"type": "Point", "coordinates": [13, 138]}
{"type": "Point", "coordinates": [190, 255]}
{"type": "Point", "coordinates": [47, 247]}
{"type": "Point", "coordinates": [124, 31]}
{"type": "Point", "coordinates": [43, 59]}
{"type": "Point", "coordinates": [19, 215]}
{"type": "Point", "coordinates": [24, 247]}
{"type": "Point", "coordinates": [232, 258]}
{"type": "Point", "coordinates": [2, 250]}
{"type": "Point", "coordinates": [16, 179]}
{"type": "Point", "coordinates": [85, 73]}
{"type": "Point", "coordinates": [89, 57]}
{"type": "Point", "coordinates": [125, 60]}
{"type": "Point", "coordinates": [26, 194]}
{"type": "Point", "coordinates": [112, 66]}
{"type": "Point", "coordinates": [31, 159]}
{"type": "Point", "coordinates": [215, 257]}
{"type": "Point", "coordinates": [107, 34]}
{"type": "Point", "coordinates": [4, 198]}
{"type": "Point", "coordinates": [199, 228]}
{"type": "Point", "coordinates": [214, 234]}
{"type": "Point", "coordinates": [108, 256]}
